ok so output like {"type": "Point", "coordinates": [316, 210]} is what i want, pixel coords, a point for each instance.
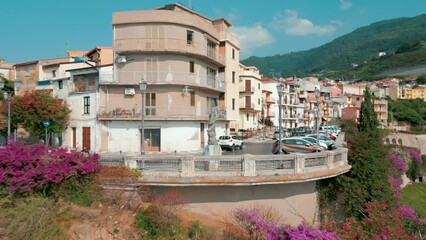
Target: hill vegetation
{"type": "Point", "coordinates": [402, 40]}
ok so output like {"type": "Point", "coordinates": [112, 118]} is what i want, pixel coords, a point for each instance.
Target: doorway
{"type": "Point", "coordinates": [86, 138]}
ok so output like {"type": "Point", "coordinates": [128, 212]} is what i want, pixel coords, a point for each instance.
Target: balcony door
{"type": "Point", "coordinates": [248, 86]}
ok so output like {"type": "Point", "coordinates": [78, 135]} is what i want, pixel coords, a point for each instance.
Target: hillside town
{"type": "Point", "coordinates": [143, 123]}
{"type": "Point", "coordinates": [189, 72]}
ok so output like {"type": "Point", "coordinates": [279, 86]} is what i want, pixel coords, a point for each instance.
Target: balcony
{"type": "Point", "coordinates": [169, 77]}
{"type": "Point", "coordinates": [170, 45]}
{"type": "Point", "coordinates": [249, 107]}
{"type": "Point", "coordinates": [247, 90]}
{"type": "Point", "coordinates": [160, 112]}
{"type": "Point", "coordinates": [44, 85]}
{"type": "Point", "coordinates": [271, 100]}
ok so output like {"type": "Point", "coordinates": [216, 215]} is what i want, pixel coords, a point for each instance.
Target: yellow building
{"type": "Point", "coordinates": [413, 93]}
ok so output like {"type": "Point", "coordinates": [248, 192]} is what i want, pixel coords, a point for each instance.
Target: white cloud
{"type": "Point", "coordinates": [292, 24]}
{"type": "Point", "coordinates": [345, 4]}
{"type": "Point", "coordinates": [252, 37]}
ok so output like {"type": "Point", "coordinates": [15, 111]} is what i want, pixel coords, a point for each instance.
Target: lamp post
{"type": "Point", "coordinates": [317, 95]}
{"type": "Point", "coordinates": [264, 117]}
{"type": "Point", "coordinates": [142, 86]}
{"type": "Point", "coordinates": [280, 89]}
{"type": "Point", "coordinates": [7, 97]}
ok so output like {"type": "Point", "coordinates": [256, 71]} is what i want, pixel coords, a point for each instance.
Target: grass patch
{"type": "Point", "coordinates": [414, 195]}
{"type": "Point", "coordinates": [34, 217]}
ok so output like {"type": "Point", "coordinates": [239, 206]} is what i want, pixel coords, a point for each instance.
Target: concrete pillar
{"type": "Point", "coordinates": [130, 163]}
{"type": "Point", "coordinates": [330, 160]}
{"type": "Point", "coordinates": [188, 166]}
{"type": "Point", "coordinates": [299, 163]}
{"type": "Point", "coordinates": [249, 166]}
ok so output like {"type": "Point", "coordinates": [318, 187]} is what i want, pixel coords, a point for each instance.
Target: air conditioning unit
{"type": "Point", "coordinates": [129, 91]}
{"type": "Point", "coordinates": [121, 59]}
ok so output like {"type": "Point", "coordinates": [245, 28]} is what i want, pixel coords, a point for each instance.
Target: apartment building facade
{"type": "Point", "coordinates": [191, 66]}
{"type": "Point", "coordinates": [250, 97]}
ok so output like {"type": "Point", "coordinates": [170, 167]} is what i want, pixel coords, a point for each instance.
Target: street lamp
{"type": "Point", "coordinates": [142, 85]}
{"type": "Point", "coordinates": [280, 89]}
{"type": "Point", "coordinates": [264, 117]}
{"type": "Point", "coordinates": [317, 95]}
{"type": "Point", "coordinates": [8, 96]}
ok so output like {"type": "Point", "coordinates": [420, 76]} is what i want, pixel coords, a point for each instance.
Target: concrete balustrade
{"type": "Point", "coordinates": [239, 169]}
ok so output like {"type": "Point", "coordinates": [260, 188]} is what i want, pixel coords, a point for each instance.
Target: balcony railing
{"type": "Point", "coordinates": [158, 112]}
{"type": "Point", "coordinates": [171, 77]}
{"type": "Point", "coordinates": [168, 45]}
{"type": "Point", "coordinates": [189, 169]}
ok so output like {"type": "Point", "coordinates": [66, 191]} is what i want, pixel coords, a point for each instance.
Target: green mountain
{"type": "Point", "coordinates": [396, 37]}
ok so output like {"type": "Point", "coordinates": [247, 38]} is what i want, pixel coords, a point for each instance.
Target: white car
{"type": "Point", "coordinates": [230, 142]}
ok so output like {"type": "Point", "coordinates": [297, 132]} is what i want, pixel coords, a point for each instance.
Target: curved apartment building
{"type": "Point", "coordinates": [190, 64]}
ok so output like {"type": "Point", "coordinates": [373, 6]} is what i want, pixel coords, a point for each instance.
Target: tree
{"type": "Point", "coordinates": [31, 109]}
{"type": "Point", "coordinates": [368, 117]}
{"type": "Point", "coordinates": [368, 179]}
{"type": "Point", "coordinates": [8, 87]}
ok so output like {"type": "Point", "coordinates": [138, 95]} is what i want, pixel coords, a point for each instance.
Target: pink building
{"type": "Point", "coordinates": [191, 66]}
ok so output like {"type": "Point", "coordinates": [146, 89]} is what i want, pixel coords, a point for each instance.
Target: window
{"type": "Point", "coordinates": [189, 37]}
{"type": "Point", "coordinates": [258, 86]}
{"type": "Point", "coordinates": [191, 66]}
{"type": "Point", "coordinates": [233, 104]}
{"type": "Point", "coordinates": [253, 117]}
{"type": "Point", "coordinates": [247, 116]}
{"type": "Point", "coordinates": [150, 104]}
{"type": "Point", "coordinates": [60, 84]}
{"type": "Point", "coordinates": [258, 101]}
{"type": "Point", "coordinates": [86, 109]}
{"type": "Point", "coordinates": [233, 77]}
{"type": "Point", "coordinates": [233, 53]}
{"type": "Point", "coordinates": [54, 73]}
{"type": "Point", "coordinates": [27, 71]}
{"type": "Point", "coordinates": [192, 99]}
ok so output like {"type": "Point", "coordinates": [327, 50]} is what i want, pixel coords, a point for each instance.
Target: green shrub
{"type": "Point", "coordinates": [34, 217]}
{"type": "Point", "coordinates": [155, 225]}
{"type": "Point", "coordinates": [413, 170]}
{"type": "Point", "coordinates": [79, 190]}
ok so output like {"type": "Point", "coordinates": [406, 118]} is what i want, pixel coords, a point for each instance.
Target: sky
{"type": "Point", "coordinates": [44, 29]}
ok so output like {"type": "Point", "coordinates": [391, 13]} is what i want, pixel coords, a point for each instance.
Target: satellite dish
{"type": "Point", "coordinates": [121, 59]}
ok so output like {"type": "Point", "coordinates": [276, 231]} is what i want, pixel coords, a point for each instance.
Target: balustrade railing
{"type": "Point", "coordinates": [189, 166]}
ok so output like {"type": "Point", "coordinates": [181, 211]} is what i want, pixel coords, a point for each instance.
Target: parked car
{"type": "Point", "coordinates": [230, 142]}
{"type": "Point", "coordinates": [299, 133]}
{"type": "Point", "coordinates": [322, 137]}
{"type": "Point", "coordinates": [295, 145]}
{"type": "Point", "coordinates": [312, 140]}
{"type": "Point", "coordinates": [284, 133]}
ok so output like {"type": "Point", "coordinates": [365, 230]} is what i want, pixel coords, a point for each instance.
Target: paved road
{"type": "Point", "coordinates": [252, 147]}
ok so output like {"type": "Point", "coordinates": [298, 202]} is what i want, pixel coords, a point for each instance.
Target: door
{"type": "Point", "coordinates": [248, 86]}
{"type": "Point", "coordinates": [248, 102]}
{"type": "Point", "coordinates": [152, 140]}
{"type": "Point", "coordinates": [86, 138]}
{"type": "Point", "coordinates": [74, 137]}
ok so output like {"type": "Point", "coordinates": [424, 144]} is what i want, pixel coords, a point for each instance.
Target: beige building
{"type": "Point", "coordinates": [250, 97]}
{"type": "Point", "coordinates": [100, 55]}
{"type": "Point", "coordinates": [31, 72]}
{"type": "Point", "coordinates": [191, 66]}
{"type": "Point", "coordinates": [413, 93]}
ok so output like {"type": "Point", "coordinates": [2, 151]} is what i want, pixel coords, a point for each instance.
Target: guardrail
{"type": "Point", "coordinates": [162, 167]}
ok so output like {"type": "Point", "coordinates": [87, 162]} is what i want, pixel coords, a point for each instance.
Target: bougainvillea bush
{"type": "Point", "coordinates": [256, 227]}
{"type": "Point", "coordinates": [36, 168]}
{"type": "Point", "coordinates": [380, 222]}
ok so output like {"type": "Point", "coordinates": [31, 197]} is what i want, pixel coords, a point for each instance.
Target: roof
{"type": "Point", "coordinates": [25, 63]}
{"type": "Point", "coordinates": [95, 49]}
